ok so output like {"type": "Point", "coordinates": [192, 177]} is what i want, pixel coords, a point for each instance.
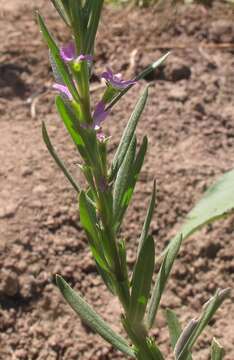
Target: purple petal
{"type": "Point", "coordinates": [63, 90]}
{"type": "Point", "coordinates": [99, 115]}
{"type": "Point", "coordinates": [68, 51]}
{"type": "Point", "coordinates": [82, 57]}
{"type": "Point", "coordinates": [116, 80]}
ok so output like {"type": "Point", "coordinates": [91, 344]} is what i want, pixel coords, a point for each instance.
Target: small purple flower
{"type": "Point", "coordinates": [99, 115]}
{"type": "Point", "coordinates": [116, 80]}
{"type": "Point", "coordinates": [63, 90]}
{"type": "Point", "coordinates": [68, 52]}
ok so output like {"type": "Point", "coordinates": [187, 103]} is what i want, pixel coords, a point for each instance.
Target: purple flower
{"type": "Point", "coordinates": [99, 115]}
{"type": "Point", "coordinates": [63, 90]}
{"type": "Point", "coordinates": [116, 80]}
{"type": "Point", "coordinates": [68, 53]}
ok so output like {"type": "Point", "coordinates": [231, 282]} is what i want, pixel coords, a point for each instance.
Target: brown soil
{"type": "Point", "coordinates": [189, 121]}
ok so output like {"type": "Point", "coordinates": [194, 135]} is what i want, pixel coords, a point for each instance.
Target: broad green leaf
{"type": "Point", "coordinates": [58, 161]}
{"type": "Point", "coordinates": [173, 325]}
{"type": "Point", "coordinates": [122, 180]}
{"type": "Point", "coordinates": [128, 133]}
{"type": "Point", "coordinates": [58, 4]}
{"type": "Point", "coordinates": [141, 281]}
{"type": "Point", "coordinates": [161, 281]}
{"type": "Point", "coordinates": [142, 75]}
{"type": "Point", "coordinates": [62, 68]}
{"type": "Point", "coordinates": [217, 351]}
{"type": "Point", "coordinates": [148, 219]}
{"type": "Point", "coordinates": [191, 332]}
{"type": "Point", "coordinates": [91, 318]}
{"type": "Point", "coordinates": [216, 203]}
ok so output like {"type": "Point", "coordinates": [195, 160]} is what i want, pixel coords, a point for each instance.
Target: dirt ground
{"type": "Point", "coordinates": [190, 125]}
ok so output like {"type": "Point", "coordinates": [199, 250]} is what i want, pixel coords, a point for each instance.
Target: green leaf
{"type": "Point", "coordinates": [133, 176]}
{"type": "Point", "coordinates": [93, 25]}
{"type": "Point", "coordinates": [91, 318]}
{"type": "Point", "coordinates": [71, 123]}
{"type": "Point", "coordinates": [216, 203]}
{"type": "Point", "coordinates": [89, 222]}
{"type": "Point", "coordinates": [77, 23]}
{"type": "Point", "coordinates": [58, 4]}
{"type": "Point", "coordinates": [217, 351]}
{"type": "Point", "coordinates": [173, 325]}
{"type": "Point", "coordinates": [88, 217]}
{"type": "Point", "coordinates": [174, 329]}
{"type": "Point", "coordinates": [62, 68]}
{"type": "Point", "coordinates": [191, 332]}
{"type": "Point", "coordinates": [154, 349]}
{"type": "Point", "coordinates": [141, 281]}
{"type": "Point", "coordinates": [162, 278]}
{"type": "Point", "coordinates": [58, 161]}
{"type": "Point", "coordinates": [142, 75]}
{"type": "Point", "coordinates": [122, 180]}
{"type": "Point", "coordinates": [148, 219]}
{"type": "Point", "coordinates": [128, 133]}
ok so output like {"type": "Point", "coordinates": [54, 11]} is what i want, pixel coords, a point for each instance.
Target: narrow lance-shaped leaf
{"type": "Point", "coordinates": [128, 134]}
{"type": "Point", "coordinates": [217, 351]}
{"type": "Point", "coordinates": [91, 318]}
{"type": "Point", "coordinates": [155, 351]}
{"type": "Point", "coordinates": [88, 216]}
{"type": "Point", "coordinates": [148, 219]}
{"type": "Point", "coordinates": [142, 75]}
{"type": "Point", "coordinates": [174, 329]}
{"type": "Point", "coordinates": [71, 124]}
{"type": "Point", "coordinates": [77, 22]}
{"type": "Point", "coordinates": [161, 282]}
{"type": "Point", "coordinates": [62, 68]}
{"type": "Point", "coordinates": [173, 325]}
{"type": "Point", "coordinates": [89, 222]}
{"type": "Point", "coordinates": [122, 180]}
{"type": "Point", "coordinates": [188, 338]}
{"type": "Point", "coordinates": [58, 161]}
{"type": "Point", "coordinates": [141, 281]}
{"type": "Point", "coordinates": [133, 176]}
{"type": "Point", "coordinates": [58, 4]}
{"type": "Point", "coordinates": [216, 203]}
{"type": "Point", "coordinates": [93, 24]}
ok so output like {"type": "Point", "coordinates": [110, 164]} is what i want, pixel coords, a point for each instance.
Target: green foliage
{"type": "Point", "coordinates": [216, 203]}
{"type": "Point", "coordinates": [91, 318]}
{"type": "Point", "coordinates": [109, 188]}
